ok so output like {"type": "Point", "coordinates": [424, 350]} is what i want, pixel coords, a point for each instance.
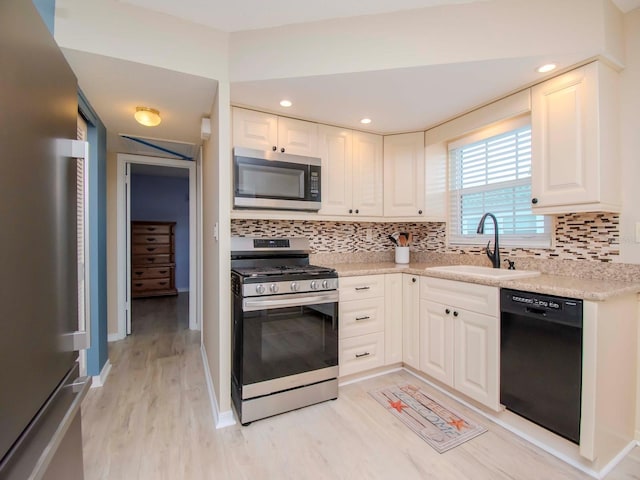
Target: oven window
{"type": "Point", "coordinates": [288, 341]}
{"type": "Point", "coordinates": [269, 181]}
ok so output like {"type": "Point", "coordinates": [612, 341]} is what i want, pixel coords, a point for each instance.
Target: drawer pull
{"type": "Point", "coordinates": [151, 229]}
{"type": "Point", "coordinates": [162, 283]}
{"type": "Point", "coordinates": [366, 317]}
{"type": "Point", "coordinates": [151, 259]}
{"type": "Point", "coordinates": [138, 273]}
{"type": "Point", "coordinates": [362, 288]}
{"type": "Point", "coordinates": [138, 284]}
{"type": "Point", "coordinates": [358, 355]}
{"type": "Point", "coordinates": [151, 239]}
{"type": "Point", "coordinates": [150, 249]}
{"type": "Point", "coordinates": [162, 272]}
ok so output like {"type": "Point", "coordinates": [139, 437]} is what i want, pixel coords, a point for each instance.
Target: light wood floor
{"type": "Point", "coordinates": [152, 420]}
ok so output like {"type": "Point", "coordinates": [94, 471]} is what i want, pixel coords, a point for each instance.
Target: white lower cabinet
{"type": "Point", "coordinates": [361, 323]}
{"type": "Point", "coordinates": [411, 320]}
{"type": "Point", "coordinates": [459, 337]}
{"type": "Point", "coordinates": [370, 322]}
{"type": "Point", "coordinates": [360, 353]}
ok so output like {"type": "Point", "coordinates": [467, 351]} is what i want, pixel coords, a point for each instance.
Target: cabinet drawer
{"type": "Point", "coordinates": [150, 272]}
{"type": "Point", "coordinates": [470, 296]}
{"type": "Point", "coordinates": [359, 317]}
{"type": "Point", "coordinates": [153, 229]}
{"type": "Point", "coordinates": [151, 259]}
{"type": "Point", "coordinates": [354, 288]}
{"type": "Point", "coordinates": [147, 239]}
{"type": "Point", "coordinates": [143, 285]}
{"type": "Point", "coordinates": [361, 353]}
{"type": "Point", "coordinates": [150, 249]}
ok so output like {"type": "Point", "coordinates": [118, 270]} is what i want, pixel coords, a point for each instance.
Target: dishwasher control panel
{"type": "Point", "coordinates": [565, 310]}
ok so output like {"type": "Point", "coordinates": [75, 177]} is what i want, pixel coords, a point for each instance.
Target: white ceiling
{"type": "Point", "coordinates": [400, 100]}
{"type": "Point", "coordinates": [115, 87]}
{"type": "Point", "coordinates": [254, 14]}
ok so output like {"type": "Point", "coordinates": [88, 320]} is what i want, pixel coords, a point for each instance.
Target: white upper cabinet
{"type": "Point", "coordinates": [367, 174]}
{"type": "Point", "coordinates": [253, 129]}
{"type": "Point", "coordinates": [336, 152]}
{"type": "Point", "coordinates": [574, 128]}
{"type": "Point", "coordinates": [351, 172]}
{"type": "Point", "coordinates": [297, 137]}
{"type": "Point", "coordinates": [264, 131]}
{"type": "Point", "coordinates": [404, 175]}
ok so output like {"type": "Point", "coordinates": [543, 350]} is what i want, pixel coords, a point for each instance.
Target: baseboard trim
{"type": "Point", "coordinates": [367, 377]}
{"type": "Point", "coordinates": [114, 337]}
{"type": "Point", "coordinates": [98, 380]}
{"type": "Point", "coordinates": [183, 290]}
{"type": "Point", "coordinates": [607, 469]}
{"type": "Point", "coordinates": [220, 419]}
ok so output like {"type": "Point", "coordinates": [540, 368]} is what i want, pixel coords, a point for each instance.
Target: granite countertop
{"type": "Point", "coordinates": [573, 287]}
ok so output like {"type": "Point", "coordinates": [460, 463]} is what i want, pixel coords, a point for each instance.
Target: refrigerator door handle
{"type": "Point", "coordinates": [81, 339]}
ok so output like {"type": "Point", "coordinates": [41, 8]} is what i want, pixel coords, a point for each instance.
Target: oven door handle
{"type": "Point", "coordinates": [282, 301]}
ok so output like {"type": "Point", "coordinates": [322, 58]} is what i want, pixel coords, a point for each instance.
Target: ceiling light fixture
{"type": "Point", "coordinates": [365, 121]}
{"type": "Point", "coordinates": [547, 68]}
{"type": "Point", "coordinates": [149, 117]}
{"type": "Point", "coordinates": [285, 103]}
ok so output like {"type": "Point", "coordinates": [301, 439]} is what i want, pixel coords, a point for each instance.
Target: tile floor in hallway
{"type": "Point", "coordinates": [152, 420]}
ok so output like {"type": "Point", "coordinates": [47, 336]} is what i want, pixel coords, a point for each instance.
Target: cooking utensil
{"type": "Point", "coordinates": [393, 240]}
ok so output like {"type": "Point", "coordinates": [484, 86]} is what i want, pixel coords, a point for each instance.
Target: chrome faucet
{"type": "Point", "coordinates": [495, 256]}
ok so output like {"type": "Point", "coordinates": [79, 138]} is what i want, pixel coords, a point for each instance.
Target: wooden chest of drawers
{"type": "Point", "coordinates": [153, 259]}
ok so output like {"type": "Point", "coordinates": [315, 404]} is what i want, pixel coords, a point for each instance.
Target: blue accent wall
{"type": "Point", "coordinates": [98, 353]}
{"type": "Point", "coordinates": [158, 198]}
{"type": "Point", "coordinates": [47, 9]}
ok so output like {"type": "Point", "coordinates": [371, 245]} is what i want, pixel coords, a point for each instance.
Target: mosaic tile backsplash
{"type": "Point", "coordinates": [585, 236]}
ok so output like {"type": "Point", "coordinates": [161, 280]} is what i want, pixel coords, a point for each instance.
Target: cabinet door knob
{"type": "Point", "coordinates": [447, 311]}
{"type": "Point", "coordinates": [274, 148]}
{"type": "Point", "coordinates": [357, 211]}
{"type": "Point", "coordinates": [534, 200]}
{"type": "Point", "coordinates": [413, 279]}
{"type": "Point", "coordinates": [350, 210]}
{"type": "Point", "coordinates": [282, 149]}
{"type": "Point", "coordinates": [419, 212]}
{"type": "Point", "coordinates": [455, 314]}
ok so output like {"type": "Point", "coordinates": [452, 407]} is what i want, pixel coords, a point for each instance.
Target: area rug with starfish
{"type": "Point", "coordinates": [439, 426]}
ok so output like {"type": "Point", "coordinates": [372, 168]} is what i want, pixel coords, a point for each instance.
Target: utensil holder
{"type": "Point", "coordinates": [402, 254]}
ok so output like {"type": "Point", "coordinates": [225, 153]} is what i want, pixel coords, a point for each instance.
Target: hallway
{"type": "Point", "coordinates": [153, 414]}
{"type": "Point", "coordinates": [152, 420]}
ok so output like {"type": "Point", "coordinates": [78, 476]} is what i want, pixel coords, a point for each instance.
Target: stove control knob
{"type": "Point", "coordinates": [274, 288]}
{"type": "Point", "coordinates": [295, 287]}
{"type": "Point", "coordinates": [313, 285]}
{"type": "Point", "coordinates": [260, 289]}
{"type": "Point", "coordinates": [325, 284]}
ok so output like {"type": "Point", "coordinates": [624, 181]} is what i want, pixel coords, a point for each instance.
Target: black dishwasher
{"type": "Point", "coordinates": [541, 359]}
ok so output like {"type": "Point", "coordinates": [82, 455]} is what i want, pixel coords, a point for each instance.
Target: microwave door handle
{"type": "Point", "coordinates": [252, 305]}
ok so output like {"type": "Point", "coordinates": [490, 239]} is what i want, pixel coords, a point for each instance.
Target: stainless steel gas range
{"type": "Point", "coordinates": [285, 327]}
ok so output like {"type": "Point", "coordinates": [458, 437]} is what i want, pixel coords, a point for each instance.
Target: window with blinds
{"type": "Point", "coordinates": [490, 171]}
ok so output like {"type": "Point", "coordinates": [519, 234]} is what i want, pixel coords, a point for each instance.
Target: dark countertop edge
{"type": "Point", "coordinates": [593, 290]}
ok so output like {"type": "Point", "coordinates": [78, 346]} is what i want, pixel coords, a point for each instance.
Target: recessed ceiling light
{"type": "Point", "coordinates": [365, 121]}
{"type": "Point", "coordinates": [285, 103]}
{"type": "Point", "coordinates": [547, 68]}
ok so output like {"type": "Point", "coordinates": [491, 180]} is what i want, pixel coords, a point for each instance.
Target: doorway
{"type": "Point", "coordinates": [136, 168]}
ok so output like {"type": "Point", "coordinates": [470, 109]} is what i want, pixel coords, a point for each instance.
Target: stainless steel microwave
{"type": "Point", "coordinates": [274, 180]}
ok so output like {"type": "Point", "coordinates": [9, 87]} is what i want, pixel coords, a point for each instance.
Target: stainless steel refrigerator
{"type": "Point", "coordinates": [40, 389]}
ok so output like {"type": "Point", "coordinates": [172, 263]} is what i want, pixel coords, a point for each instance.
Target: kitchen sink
{"type": "Point", "coordinates": [484, 272]}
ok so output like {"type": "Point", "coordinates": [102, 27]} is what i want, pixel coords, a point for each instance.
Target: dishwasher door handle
{"type": "Point", "coordinates": [536, 311]}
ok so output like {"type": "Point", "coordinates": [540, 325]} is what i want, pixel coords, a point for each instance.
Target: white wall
{"type": "Point", "coordinates": [438, 35]}
{"type": "Point", "coordinates": [630, 139]}
{"type": "Point", "coordinates": [216, 321]}
{"type": "Point", "coordinates": [116, 29]}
